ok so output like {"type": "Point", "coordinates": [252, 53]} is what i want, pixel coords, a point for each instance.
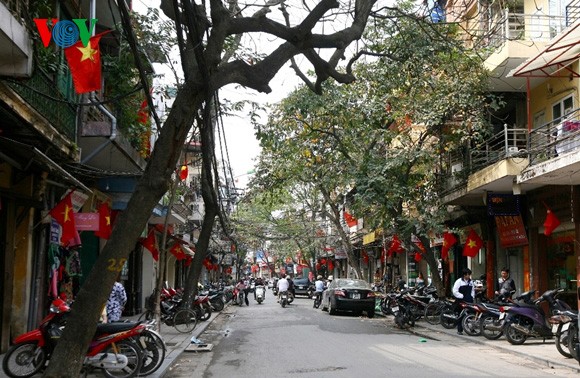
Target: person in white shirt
{"type": "Point", "coordinates": [318, 289]}
{"type": "Point", "coordinates": [282, 285]}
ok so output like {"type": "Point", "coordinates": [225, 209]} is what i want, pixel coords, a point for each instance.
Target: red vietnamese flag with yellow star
{"type": "Point", "coordinates": [448, 241]}
{"type": "Point", "coordinates": [473, 244]}
{"type": "Point", "coordinates": [63, 214]}
{"type": "Point", "coordinates": [85, 64]}
{"type": "Point", "coordinates": [105, 225]}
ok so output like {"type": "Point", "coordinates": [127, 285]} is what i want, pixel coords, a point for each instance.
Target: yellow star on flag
{"type": "Point", "coordinates": [88, 52]}
{"type": "Point", "coordinates": [108, 220]}
{"type": "Point", "coordinates": [471, 243]}
{"type": "Point", "coordinates": [66, 213]}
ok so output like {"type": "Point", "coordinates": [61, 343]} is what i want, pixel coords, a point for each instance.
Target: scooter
{"type": "Point", "coordinates": [525, 321]}
{"type": "Point", "coordinates": [283, 298]}
{"type": "Point", "coordinates": [260, 293]}
{"type": "Point", "coordinates": [112, 350]}
{"type": "Point", "coordinates": [317, 299]}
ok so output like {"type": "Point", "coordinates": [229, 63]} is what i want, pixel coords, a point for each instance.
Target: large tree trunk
{"type": "Point", "coordinates": [130, 224]}
{"type": "Point", "coordinates": [206, 76]}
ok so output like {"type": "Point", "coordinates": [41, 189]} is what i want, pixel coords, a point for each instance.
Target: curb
{"type": "Point", "coordinates": [513, 349]}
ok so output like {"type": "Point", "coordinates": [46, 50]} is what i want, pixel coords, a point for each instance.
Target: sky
{"type": "Point", "coordinates": [243, 148]}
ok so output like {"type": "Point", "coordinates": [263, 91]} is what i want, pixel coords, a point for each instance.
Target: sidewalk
{"type": "Point", "coordinates": [534, 349]}
{"type": "Point", "coordinates": [176, 342]}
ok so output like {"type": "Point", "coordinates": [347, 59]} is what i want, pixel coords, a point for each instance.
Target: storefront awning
{"type": "Point", "coordinates": [13, 152]}
{"type": "Point", "coordinates": [555, 59]}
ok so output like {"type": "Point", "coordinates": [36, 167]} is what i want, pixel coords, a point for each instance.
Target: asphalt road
{"type": "Point", "coordinates": [270, 341]}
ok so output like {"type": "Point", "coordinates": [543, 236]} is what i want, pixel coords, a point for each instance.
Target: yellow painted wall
{"type": "Point", "coordinates": [22, 268]}
{"type": "Point", "coordinates": [552, 91]}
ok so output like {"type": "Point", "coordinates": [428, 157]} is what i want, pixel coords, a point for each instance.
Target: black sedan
{"type": "Point", "coordinates": [346, 294]}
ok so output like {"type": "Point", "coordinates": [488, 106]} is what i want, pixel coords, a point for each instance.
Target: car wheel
{"type": "Point", "coordinates": [331, 310]}
{"type": "Point", "coordinates": [371, 314]}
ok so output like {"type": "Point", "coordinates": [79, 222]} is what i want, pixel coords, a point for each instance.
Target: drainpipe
{"type": "Point", "coordinates": [93, 99]}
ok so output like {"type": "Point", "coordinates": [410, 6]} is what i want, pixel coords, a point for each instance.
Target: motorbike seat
{"type": "Point", "coordinates": [108, 328]}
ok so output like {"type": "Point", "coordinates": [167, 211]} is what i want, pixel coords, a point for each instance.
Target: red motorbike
{"type": "Point", "coordinates": [112, 350]}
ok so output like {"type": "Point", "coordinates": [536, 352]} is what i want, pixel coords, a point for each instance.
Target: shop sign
{"type": "Point", "coordinates": [369, 238]}
{"type": "Point", "coordinates": [340, 254]}
{"type": "Point", "coordinates": [511, 230]}
{"type": "Point", "coordinates": [503, 204]}
{"type": "Point", "coordinates": [87, 221]}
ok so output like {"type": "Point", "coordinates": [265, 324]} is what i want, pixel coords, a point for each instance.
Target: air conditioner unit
{"type": "Point", "coordinates": [512, 151]}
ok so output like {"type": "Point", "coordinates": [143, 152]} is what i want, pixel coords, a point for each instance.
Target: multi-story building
{"type": "Point", "coordinates": [53, 140]}
{"type": "Point", "coordinates": [505, 185]}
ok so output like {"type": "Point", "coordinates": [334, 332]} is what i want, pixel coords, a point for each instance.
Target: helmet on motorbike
{"type": "Point", "coordinates": [319, 277]}
{"type": "Point", "coordinates": [330, 278]}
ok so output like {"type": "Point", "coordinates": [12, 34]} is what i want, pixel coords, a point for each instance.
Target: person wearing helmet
{"type": "Point", "coordinates": [318, 289]}
{"type": "Point", "coordinates": [282, 285]}
{"type": "Point", "coordinates": [329, 280]}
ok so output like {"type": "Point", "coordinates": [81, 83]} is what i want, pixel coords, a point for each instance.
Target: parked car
{"type": "Point", "coordinates": [346, 294]}
{"type": "Point", "coordinates": [303, 286]}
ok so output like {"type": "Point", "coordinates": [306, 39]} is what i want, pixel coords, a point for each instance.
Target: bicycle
{"type": "Point", "coordinates": [184, 320]}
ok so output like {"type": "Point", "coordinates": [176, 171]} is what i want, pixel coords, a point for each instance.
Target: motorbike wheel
{"type": "Point", "coordinates": [132, 351]}
{"type": "Point", "coordinates": [290, 297]}
{"type": "Point", "coordinates": [259, 300]}
{"type": "Point", "coordinates": [185, 320]}
{"type": "Point", "coordinates": [514, 336]}
{"type": "Point", "coordinates": [317, 302]}
{"type": "Point", "coordinates": [471, 325]}
{"type": "Point", "coordinates": [433, 313]}
{"type": "Point", "coordinates": [448, 318]}
{"type": "Point", "coordinates": [415, 312]}
{"type": "Point", "coordinates": [573, 339]}
{"type": "Point", "coordinates": [23, 360]}
{"type": "Point", "coordinates": [490, 320]}
{"type": "Point", "coordinates": [206, 312]}
{"type": "Point", "coordinates": [217, 305]}
{"type": "Point", "coordinates": [562, 342]}
{"type": "Point", "coordinates": [153, 349]}
{"type": "Point", "coordinates": [283, 303]}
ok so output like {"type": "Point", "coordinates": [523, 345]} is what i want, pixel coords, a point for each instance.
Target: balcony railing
{"type": "Point", "coordinates": [555, 138]}
{"type": "Point", "coordinates": [18, 8]}
{"type": "Point", "coordinates": [548, 141]}
{"type": "Point", "coordinates": [518, 26]}
{"type": "Point", "coordinates": [509, 142]}
{"type": "Point", "coordinates": [39, 92]}
{"type": "Point", "coordinates": [572, 12]}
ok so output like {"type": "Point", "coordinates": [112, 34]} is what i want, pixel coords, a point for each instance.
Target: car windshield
{"type": "Point", "coordinates": [347, 284]}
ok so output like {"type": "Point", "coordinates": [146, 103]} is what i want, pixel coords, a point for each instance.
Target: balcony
{"type": "Point", "coordinates": [488, 166]}
{"type": "Point", "coordinates": [15, 41]}
{"type": "Point", "coordinates": [503, 42]}
{"type": "Point", "coordinates": [39, 93]}
{"type": "Point", "coordinates": [553, 152]}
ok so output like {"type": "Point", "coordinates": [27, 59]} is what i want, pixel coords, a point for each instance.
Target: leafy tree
{"type": "Point", "coordinates": [384, 134]}
{"type": "Point", "coordinates": [204, 35]}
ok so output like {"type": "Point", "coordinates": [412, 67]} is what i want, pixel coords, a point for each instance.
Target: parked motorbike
{"type": "Point", "coordinates": [523, 322]}
{"type": "Point", "coordinates": [112, 350]}
{"type": "Point", "coordinates": [201, 307]}
{"type": "Point", "coordinates": [283, 298]}
{"type": "Point", "coordinates": [561, 321]}
{"type": "Point", "coordinates": [260, 293]}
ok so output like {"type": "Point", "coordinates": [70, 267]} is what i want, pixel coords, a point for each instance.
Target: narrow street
{"type": "Point", "coordinates": [270, 341]}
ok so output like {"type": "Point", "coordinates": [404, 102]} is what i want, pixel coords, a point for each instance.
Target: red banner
{"type": "Point", "coordinates": [511, 230]}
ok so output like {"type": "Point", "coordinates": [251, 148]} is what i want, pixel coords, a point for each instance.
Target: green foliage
{"type": "Point", "coordinates": [419, 95]}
